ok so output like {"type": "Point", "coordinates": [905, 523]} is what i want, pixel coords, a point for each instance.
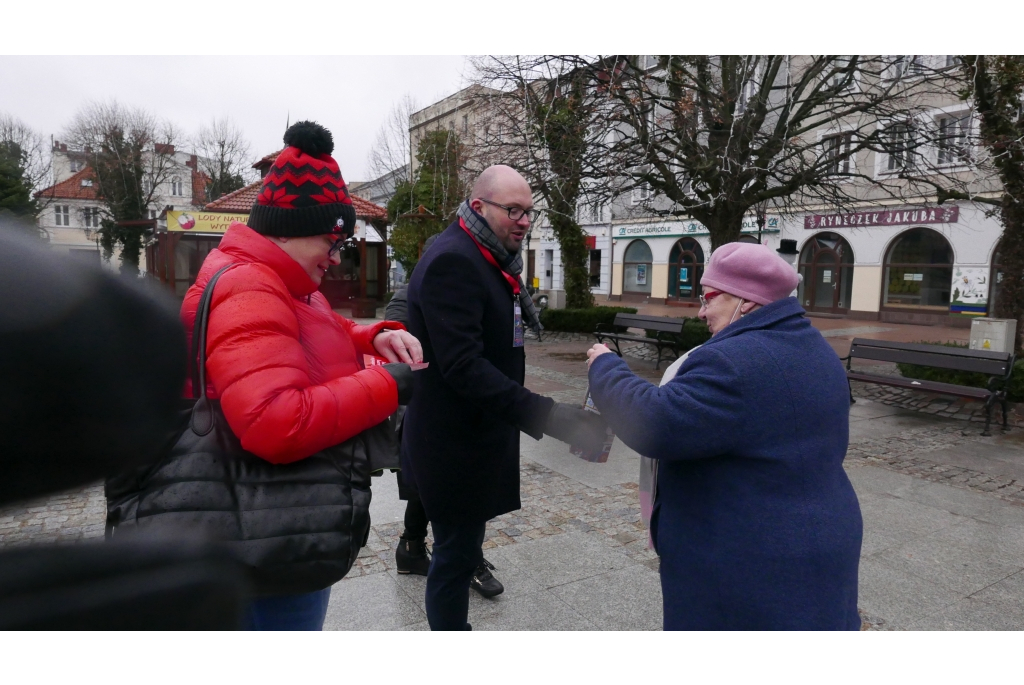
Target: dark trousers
{"type": "Point", "coordinates": [289, 612]}
{"type": "Point", "coordinates": [456, 554]}
{"type": "Point", "coordinates": [415, 519]}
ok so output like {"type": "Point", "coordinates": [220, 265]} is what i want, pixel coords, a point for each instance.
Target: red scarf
{"type": "Point", "coordinates": [512, 280]}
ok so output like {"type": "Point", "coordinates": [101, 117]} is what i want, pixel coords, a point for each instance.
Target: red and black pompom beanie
{"type": "Point", "coordinates": [303, 192]}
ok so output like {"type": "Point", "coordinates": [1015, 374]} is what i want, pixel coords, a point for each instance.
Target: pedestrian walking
{"type": "Point", "coordinates": [460, 447]}
{"type": "Point", "coordinates": [411, 555]}
{"type": "Point", "coordinates": [755, 520]}
{"type": "Point", "coordinates": [287, 370]}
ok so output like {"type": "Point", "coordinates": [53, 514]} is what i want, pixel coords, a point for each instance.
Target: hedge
{"type": "Point", "coordinates": [1015, 390]}
{"type": "Point", "coordinates": [581, 320]}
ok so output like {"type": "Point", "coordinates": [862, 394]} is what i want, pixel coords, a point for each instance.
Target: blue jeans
{"type": "Point", "coordinates": [455, 556]}
{"type": "Point", "coordinates": [289, 612]}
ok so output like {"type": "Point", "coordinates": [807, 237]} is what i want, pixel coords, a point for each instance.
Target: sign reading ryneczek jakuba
{"type": "Point", "coordinates": [885, 217]}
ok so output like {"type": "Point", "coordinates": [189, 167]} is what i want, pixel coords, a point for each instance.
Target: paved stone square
{"type": "Point", "coordinates": [943, 525]}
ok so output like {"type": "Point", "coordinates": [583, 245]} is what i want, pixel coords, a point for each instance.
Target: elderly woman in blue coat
{"type": "Point", "coordinates": [755, 520]}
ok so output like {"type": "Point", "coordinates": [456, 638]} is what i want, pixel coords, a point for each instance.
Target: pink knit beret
{"type": "Point", "coordinates": [750, 271]}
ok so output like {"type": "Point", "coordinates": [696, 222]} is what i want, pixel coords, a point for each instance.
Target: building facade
{"type": "Point", "coordinates": [72, 211]}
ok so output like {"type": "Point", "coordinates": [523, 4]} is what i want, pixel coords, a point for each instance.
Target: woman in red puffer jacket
{"type": "Point", "coordinates": [286, 368]}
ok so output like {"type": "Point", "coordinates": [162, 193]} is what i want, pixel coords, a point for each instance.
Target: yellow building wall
{"type": "Point", "coordinates": [617, 278]}
{"type": "Point", "coordinates": [867, 288]}
{"type": "Point", "coordinates": [659, 281]}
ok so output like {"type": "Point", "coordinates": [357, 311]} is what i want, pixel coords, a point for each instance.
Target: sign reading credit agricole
{"type": "Point", "coordinates": [885, 217]}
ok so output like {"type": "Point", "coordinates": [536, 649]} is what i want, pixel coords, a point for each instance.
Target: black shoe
{"type": "Point", "coordinates": [412, 556]}
{"type": "Point", "coordinates": [485, 583]}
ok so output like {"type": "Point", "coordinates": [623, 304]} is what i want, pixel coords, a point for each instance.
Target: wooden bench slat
{"type": "Point", "coordinates": [929, 386]}
{"type": "Point", "coordinates": [988, 366]}
{"type": "Point", "coordinates": [934, 349]}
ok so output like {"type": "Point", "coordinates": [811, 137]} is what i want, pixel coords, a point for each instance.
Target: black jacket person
{"type": "Point", "coordinates": [461, 437]}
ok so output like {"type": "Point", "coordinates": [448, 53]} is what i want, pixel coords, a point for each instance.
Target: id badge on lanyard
{"type": "Point", "coordinates": [517, 323]}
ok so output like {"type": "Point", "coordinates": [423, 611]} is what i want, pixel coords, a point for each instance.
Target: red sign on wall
{"type": "Point", "coordinates": [591, 242]}
{"type": "Point", "coordinates": [884, 217]}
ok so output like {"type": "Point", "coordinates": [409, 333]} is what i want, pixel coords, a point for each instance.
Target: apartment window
{"type": "Point", "coordinates": [648, 62]}
{"type": "Point", "coordinates": [907, 65]}
{"type": "Point", "coordinates": [953, 145]}
{"type": "Point", "coordinates": [465, 124]}
{"type": "Point", "coordinates": [641, 193]}
{"type": "Point", "coordinates": [176, 186]}
{"type": "Point", "coordinates": [902, 147]}
{"type": "Point", "coordinates": [953, 61]}
{"type": "Point", "coordinates": [842, 78]}
{"type": "Point", "coordinates": [62, 215]}
{"type": "Point", "coordinates": [836, 151]}
{"type": "Point", "coordinates": [91, 217]}
{"type": "Point", "coordinates": [77, 165]}
{"type": "Point", "coordinates": [152, 214]}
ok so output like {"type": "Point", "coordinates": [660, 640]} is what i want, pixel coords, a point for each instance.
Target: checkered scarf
{"type": "Point", "coordinates": [510, 263]}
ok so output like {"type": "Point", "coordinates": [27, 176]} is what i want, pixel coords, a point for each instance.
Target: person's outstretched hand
{"type": "Point", "coordinates": [398, 346]}
{"type": "Point", "coordinates": [576, 426]}
{"type": "Point", "coordinates": [595, 352]}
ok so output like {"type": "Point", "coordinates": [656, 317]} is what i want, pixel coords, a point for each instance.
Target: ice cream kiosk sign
{"type": "Point", "coordinates": [202, 222]}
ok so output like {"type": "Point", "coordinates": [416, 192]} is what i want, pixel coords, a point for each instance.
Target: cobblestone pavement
{"type": "Point", "coordinates": [69, 516]}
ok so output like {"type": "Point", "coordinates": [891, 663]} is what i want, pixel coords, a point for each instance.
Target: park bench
{"type": "Point", "coordinates": [667, 330]}
{"type": "Point", "coordinates": [998, 365]}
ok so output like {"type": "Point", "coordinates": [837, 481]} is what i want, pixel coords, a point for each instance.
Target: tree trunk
{"type": "Point", "coordinates": [724, 226]}
{"type": "Point", "coordinates": [575, 274]}
{"type": "Point", "coordinates": [1011, 253]}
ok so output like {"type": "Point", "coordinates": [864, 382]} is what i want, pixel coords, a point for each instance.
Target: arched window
{"type": "Point", "coordinates": [685, 267]}
{"type": "Point", "coordinates": [826, 264]}
{"type": "Point", "coordinates": [918, 271]}
{"type": "Point", "coordinates": [747, 238]}
{"type": "Point", "coordinates": [636, 276]}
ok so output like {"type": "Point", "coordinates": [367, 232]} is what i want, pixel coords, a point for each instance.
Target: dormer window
{"type": "Point", "coordinates": [87, 183]}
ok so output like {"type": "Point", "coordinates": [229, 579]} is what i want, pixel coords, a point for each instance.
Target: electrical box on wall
{"type": "Point", "coordinates": [993, 335]}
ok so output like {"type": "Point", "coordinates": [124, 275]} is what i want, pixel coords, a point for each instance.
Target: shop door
{"type": "Point", "coordinates": [826, 281]}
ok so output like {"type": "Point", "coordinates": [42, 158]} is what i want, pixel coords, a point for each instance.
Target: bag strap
{"type": "Point", "coordinates": [197, 358]}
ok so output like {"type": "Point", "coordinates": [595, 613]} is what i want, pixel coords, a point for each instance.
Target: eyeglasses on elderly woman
{"type": "Point", "coordinates": [707, 297]}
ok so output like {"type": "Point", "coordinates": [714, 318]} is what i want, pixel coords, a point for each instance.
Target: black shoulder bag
{"type": "Point", "coordinates": [296, 527]}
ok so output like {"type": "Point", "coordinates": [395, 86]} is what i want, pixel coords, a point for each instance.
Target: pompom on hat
{"type": "Point", "coordinates": [303, 193]}
{"type": "Point", "coordinates": [750, 271]}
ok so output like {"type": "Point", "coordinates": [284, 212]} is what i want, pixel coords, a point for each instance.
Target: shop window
{"type": "Point", "coordinates": [636, 271]}
{"type": "Point", "coordinates": [995, 287]}
{"type": "Point", "coordinates": [826, 264]}
{"type": "Point", "coordinates": [919, 271]}
{"type": "Point", "coordinates": [685, 267]}
{"type": "Point", "coordinates": [595, 268]}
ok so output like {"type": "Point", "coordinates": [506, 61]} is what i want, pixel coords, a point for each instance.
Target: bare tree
{"type": "Point", "coordinates": [547, 118]}
{"type": "Point", "coordinates": [22, 141]}
{"type": "Point", "coordinates": [224, 156]}
{"type": "Point", "coordinates": [129, 152]}
{"type": "Point", "coordinates": [391, 147]}
{"type": "Point", "coordinates": [713, 137]}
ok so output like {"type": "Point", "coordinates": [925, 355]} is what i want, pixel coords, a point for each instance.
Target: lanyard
{"type": "Point", "coordinates": [512, 280]}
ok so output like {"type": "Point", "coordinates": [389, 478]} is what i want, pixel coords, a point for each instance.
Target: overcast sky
{"type": "Point", "coordinates": [351, 96]}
